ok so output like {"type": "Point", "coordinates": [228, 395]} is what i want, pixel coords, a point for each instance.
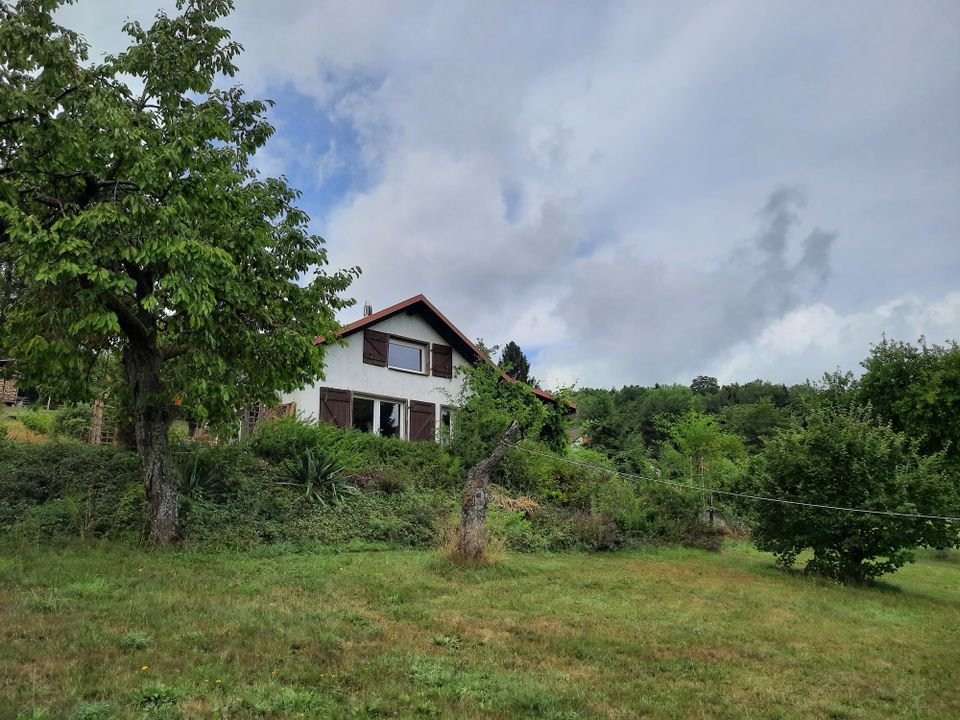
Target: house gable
{"type": "Point", "coordinates": [395, 365]}
{"type": "Point", "coordinates": [360, 366]}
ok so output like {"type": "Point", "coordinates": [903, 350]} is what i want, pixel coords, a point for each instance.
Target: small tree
{"type": "Point", "coordinates": [698, 450]}
{"type": "Point", "coordinates": [844, 458]}
{"type": "Point", "coordinates": [132, 222]}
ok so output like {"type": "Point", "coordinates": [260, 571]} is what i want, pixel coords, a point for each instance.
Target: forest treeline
{"type": "Point", "coordinates": [913, 387]}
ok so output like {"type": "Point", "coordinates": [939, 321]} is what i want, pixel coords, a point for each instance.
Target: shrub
{"type": "Point", "coordinates": [82, 484]}
{"type": "Point", "coordinates": [843, 458]}
{"type": "Point", "coordinates": [548, 476]}
{"type": "Point", "coordinates": [489, 404]}
{"type": "Point", "coordinates": [38, 422]}
{"type": "Point", "coordinates": [425, 464]}
{"type": "Point", "coordinates": [73, 421]}
{"type": "Point", "coordinates": [596, 531]}
{"type": "Point", "coordinates": [287, 438]}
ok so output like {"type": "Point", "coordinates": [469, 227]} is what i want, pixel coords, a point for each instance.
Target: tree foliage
{"type": "Point", "coordinates": [488, 404]}
{"type": "Point", "coordinates": [844, 458]}
{"type": "Point", "coordinates": [133, 222]}
{"type": "Point", "coordinates": [916, 388]}
{"type": "Point", "coordinates": [699, 450]}
{"type": "Point", "coordinates": [704, 385]}
{"type": "Point", "coordinates": [516, 365]}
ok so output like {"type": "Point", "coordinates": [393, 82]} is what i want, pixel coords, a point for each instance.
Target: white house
{"type": "Point", "coordinates": [394, 375]}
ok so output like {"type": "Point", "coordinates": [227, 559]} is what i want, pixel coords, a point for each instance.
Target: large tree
{"type": "Point", "coordinates": [134, 223]}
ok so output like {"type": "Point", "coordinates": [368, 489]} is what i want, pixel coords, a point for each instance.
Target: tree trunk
{"type": "Point", "coordinates": [151, 421]}
{"type": "Point", "coordinates": [476, 496]}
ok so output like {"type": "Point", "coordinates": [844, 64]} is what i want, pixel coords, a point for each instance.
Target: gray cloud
{"type": "Point", "coordinates": [583, 178]}
{"type": "Point", "coordinates": [774, 282]}
{"type": "Point", "coordinates": [626, 307]}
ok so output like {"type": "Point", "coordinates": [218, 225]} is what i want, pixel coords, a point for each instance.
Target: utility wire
{"type": "Point", "coordinates": [862, 511]}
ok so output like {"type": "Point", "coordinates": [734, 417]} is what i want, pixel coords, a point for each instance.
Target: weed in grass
{"type": "Point", "coordinates": [135, 640]}
{"type": "Point", "coordinates": [195, 640]}
{"type": "Point", "coordinates": [91, 711]}
{"type": "Point", "coordinates": [94, 588]}
{"type": "Point", "coordinates": [156, 695]}
{"type": "Point", "coordinates": [450, 642]}
{"type": "Point", "coordinates": [266, 700]}
{"type": "Point", "coordinates": [356, 619]}
{"type": "Point", "coordinates": [45, 601]}
{"type": "Point", "coordinates": [428, 673]}
{"type": "Point", "coordinates": [449, 540]}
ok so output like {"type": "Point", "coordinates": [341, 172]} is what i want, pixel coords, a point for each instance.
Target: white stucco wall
{"type": "Point", "coordinates": [345, 370]}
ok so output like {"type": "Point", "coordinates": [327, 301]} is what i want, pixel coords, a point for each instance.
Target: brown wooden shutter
{"type": "Point", "coordinates": [336, 406]}
{"type": "Point", "coordinates": [423, 421]}
{"type": "Point", "coordinates": [375, 348]}
{"type": "Point", "coordinates": [442, 361]}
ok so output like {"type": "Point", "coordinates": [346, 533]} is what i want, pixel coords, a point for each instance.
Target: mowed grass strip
{"type": "Point", "coordinates": [107, 631]}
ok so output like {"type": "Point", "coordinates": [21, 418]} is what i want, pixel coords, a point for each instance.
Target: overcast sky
{"type": "Point", "coordinates": [635, 192]}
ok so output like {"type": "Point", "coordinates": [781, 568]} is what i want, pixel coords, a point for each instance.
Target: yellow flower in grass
{"type": "Point", "coordinates": [144, 668]}
{"type": "Point", "coordinates": [217, 681]}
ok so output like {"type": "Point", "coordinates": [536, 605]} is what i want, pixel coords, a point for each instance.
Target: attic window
{"type": "Point", "coordinates": [405, 356]}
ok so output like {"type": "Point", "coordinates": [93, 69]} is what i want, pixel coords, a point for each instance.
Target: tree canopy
{"type": "Point", "coordinates": [917, 389]}
{"type": "Point", "coordinates": [134, 222]}
{"type": "Point", "coordinates": [844, 458]}
{"type": "Point", "coordinates": [516, 365]}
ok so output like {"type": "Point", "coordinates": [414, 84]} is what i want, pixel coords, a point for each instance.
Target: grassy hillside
{"type": "Point", "coordinates": [110, 631]}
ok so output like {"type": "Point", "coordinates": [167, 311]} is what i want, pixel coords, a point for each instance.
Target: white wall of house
{"type": "Point", "coordinates": [345, 370]}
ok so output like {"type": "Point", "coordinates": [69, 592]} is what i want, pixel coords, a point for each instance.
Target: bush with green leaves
{"type": "Point", "coordinates": [844, 458]}
{"type": "Point", "coordinates": [698, 451]}
{"type": "Point", "coordinates": [360, 454]}
{"type": "Point", "coordinates": [648, 512]}
{"type": "Point", "coordinates": [488, 404]}
{"type": "Point", "coordinates": [58, 488]}
{"type": "Point", "coordinates": [73, 421]}
{"type": "Point", "coordinates": [917, 390]}
{"type": "Point", "coordinates": [533, 470]}
{"type": "Point", "coordinates": [37, 421]}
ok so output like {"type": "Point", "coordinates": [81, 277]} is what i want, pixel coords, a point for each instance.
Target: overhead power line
{"type": "Point", "coordinates": [728, 493]}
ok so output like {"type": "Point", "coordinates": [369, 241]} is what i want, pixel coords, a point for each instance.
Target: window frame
{"type": "Point", "coordinates": [422, 347]}
{"type": "Point", "coordinates": [444, 434]}
{"type": "Point", "coordinates": [377, 399]}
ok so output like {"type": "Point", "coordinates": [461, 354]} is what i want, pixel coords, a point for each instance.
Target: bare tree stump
{"type": "Point", "coordinates": [476, 497]}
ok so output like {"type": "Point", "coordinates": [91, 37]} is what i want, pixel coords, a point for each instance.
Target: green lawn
{"type": "Point", "coordinates": [115, 632]}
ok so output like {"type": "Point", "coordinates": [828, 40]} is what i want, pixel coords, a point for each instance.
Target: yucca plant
{"type": "Point", "coordinates": [321, 478]}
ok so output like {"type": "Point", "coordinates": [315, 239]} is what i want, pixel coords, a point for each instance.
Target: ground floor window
{"type": "Point", "coordinates": [446, 424]}
{"type": "Point", "coordinates": [380, 417]}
